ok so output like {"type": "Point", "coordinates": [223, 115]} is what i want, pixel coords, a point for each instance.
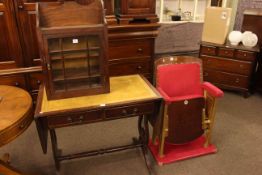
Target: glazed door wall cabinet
{"type": "Point", "coordinates": [128, 11]}
{"type": "Point", "coordinates": [74, 53]}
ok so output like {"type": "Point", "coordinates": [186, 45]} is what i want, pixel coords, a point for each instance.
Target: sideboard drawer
{"type": "Point", "coordinates": [35, 80]}
{"type": "Point", "coordinates": [128, 111]}
{"type": "Point", "coordinates": [13, 80]}
{"type": "Point", "coordinates": [125, 67]}
{"type": "Point", "coordinates": [224, 52]}
{"type": "Point", "coordinates": [129, 48]}
{"type": "Point", "coordinates": [245, 55]}
{"type": "Point", "coordinates": [227, 65]}
{"type": "Point", "coordinates": [208, 50]}
{"type": "Point", "coordinates": [226, 79]}
{"type": "Point", "coordinates": [67, 120]}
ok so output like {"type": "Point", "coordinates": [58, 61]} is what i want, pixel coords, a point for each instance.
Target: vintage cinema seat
{"type": "Point", "coordinates": [188, 113]}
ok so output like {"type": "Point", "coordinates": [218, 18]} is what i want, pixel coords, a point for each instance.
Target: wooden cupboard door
{"type": "Point", "coordinates": [10, 50]}
{"type": "Point", "coordinates": [139, 7]}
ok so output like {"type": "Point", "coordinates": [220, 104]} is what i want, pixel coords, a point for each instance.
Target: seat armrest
{"type": "Point", "coordinates": [167, 99]}
{"type": "Point", "coordinates": [212, 90]}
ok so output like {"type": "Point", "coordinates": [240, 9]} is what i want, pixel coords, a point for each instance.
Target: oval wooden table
{"type": "Point", "coordinates": [16, 114]}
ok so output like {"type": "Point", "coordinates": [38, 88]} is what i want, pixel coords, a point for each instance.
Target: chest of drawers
{"type": "Point", "coordinates": [229, 67]}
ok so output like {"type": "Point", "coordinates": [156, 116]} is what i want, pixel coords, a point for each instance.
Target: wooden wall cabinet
{"type": "Point", "coordinates": [74, 52]}
{"type": "Point", "coordinates": [129, 11]}
{"type": "Point", "coordinates": [229, 67]}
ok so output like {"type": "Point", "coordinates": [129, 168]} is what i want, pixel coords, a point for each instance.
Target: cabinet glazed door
{"type": "Point", "coordinates": [10, 50]}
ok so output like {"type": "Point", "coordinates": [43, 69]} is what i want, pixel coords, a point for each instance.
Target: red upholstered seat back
{"type": "Point", "coordinates": [179, 79]}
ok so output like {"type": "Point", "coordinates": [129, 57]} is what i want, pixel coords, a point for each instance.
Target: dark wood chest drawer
{"type": "Point", "coordinates": [227, 65]}
{"type": "Point", "coordinates": [208, 50]}
{"type": "Point", "coordinates": [246, 55]}
{"type": "Point", "coordinates": [226, 79]}
{"type": "Point", "coordinates": [13, 80]}
{"type": "Point", "coordinates": [73, 119]}
{"type": "Point", "coordinates": [129, 48]}
{"type": "Point", "coordinates": [225, 52]}
{"type": "Point", "coordinates": [129, 111]}
{"type": "Point", "coordinates": [133, 66]}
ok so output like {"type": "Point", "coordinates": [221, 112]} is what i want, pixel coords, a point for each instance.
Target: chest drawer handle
{"type": "Point", "coordinates": [208, 49]}
{"type": "Point", "coordinates": [241, 65]}
{"type": "Point", "coordinates": [17, 84]}
{"type": "Point", "coordinates": [69, 119]}
{"type": "Point", "coordinates": [135, 110]}
{"type": "Point", "coordinates": [139, 50]}
{"type": "Point", "coordinates": [237, 80]}
{"type": "Point", "coordinates": [139, 67]}
{"type": "Point", "coordinates": [226, 52]}
{"type": "Point", "coordinates": [38, 82]}
{"type": "Point", "coordinates": [245, 54]}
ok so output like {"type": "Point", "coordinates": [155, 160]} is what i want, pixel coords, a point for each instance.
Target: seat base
{"type": "Point", "coordinates": [174, 153]}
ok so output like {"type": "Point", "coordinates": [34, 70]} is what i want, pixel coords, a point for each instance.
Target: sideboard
{"type": "Point", "coordinates": [131, 46]}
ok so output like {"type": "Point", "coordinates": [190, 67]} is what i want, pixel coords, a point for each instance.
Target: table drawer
{"type": "Point", "coordinates": [224, 52]}
{"type": "Point", "coordinates": [133, 66]}
{"type": "Point", "coordinates": [13, 80]}
{"type": "Point", "coordinates": [208, 50]}
{"type": "Point", "coordinates": [80, 118]}
{"type": "Point", "coordinates": [128, 111]}
{"type": "Point", "coordinates": [228, 65]}
{"type": "Point", "coordinates": [245, 55]}
{"type": "Point", "coordinates": [226, 79]}
{"type": "Point", "coordinates": [129, 48]}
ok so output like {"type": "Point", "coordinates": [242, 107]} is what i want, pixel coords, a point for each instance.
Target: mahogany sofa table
{"type": "Point", "coordinates": [130, 96]}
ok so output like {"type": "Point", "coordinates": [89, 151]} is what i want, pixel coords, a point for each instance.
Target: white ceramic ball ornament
{"type": "Point", "coordinates": [235, 37]}
{"type": "Point", "coordinates": [249, 39]}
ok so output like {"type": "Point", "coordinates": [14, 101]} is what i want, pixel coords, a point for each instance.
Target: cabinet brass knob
{"type": "Point", "coordinates": [237, 80]}
{"type": "Point", "coordinates": [17, 84]}
{"type": "Point", "coordinates": [135, 110]}
{"type": "Point", "coordinates": [38, 82]}
{"type": "Point", "coordinates": [245, 54]}
{"type": "Point", "coordinates": [20, 7]}
{"type": "Point", "coordinates": [69, 119]}
{"type": "Point", "coordinates": [81, 117]}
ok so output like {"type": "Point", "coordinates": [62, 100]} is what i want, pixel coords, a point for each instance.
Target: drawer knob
{"type": "Point", "coordinates": [38, 82]}
{"type": "Point", "coordinates": [139, 50]}
{"type": "Point", "coordinates": [226, 52]}
{"type": "Point", "coordinates": [237, 80]}
{"type": "Point", "coordinates": [124, 112]}
{"type": "Point", "coordinates": [245, 54]}
{"type": "Point", "coordinates": [139, 67]}
{"type": "Point", "coordinates": [17, 84]}
{"type": "Point", "coordinates": [135, 110]}
{"type": "Point", "coordinates": [69, 119]}
{"type": "Point", "coordinates": [241, 65]}
{"type": "Point", "coordinates": [20, 7]}
{"type": "Point", "coordinates": [81, 117]}
{"type": "Point", "coordinates": [208, 49]}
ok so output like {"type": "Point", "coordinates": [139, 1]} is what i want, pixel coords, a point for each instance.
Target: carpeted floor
{"type": "Point", "coordinates": [237, 135]}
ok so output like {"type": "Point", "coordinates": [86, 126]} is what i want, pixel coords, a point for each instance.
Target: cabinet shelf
{"type": "Point", "coordinates": [74, 50]}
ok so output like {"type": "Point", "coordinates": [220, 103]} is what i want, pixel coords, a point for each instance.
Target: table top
{"type": "Point", "coordinates": [15, 112]}
{"type": "Point", "coordinates": [122, 89]}
{"type": "Point", "coordinates": [14, 104]}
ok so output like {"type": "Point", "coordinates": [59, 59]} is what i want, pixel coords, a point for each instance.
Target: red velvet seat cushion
{"type": "Point", "coordinates": [180, 80]}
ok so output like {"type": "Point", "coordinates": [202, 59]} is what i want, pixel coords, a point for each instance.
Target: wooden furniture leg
{"type": "Point", "coordinates": [56, 152]}
{"type": "Point", "coordinates": [164, 132]}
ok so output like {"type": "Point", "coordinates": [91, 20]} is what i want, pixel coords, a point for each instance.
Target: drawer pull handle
{"type": "Point", "coordinates": [237, 80]}
{"type": "Point", "coordinates": [241, 65]}
{"type": "Point", "coordinates": [69, 119]}
{"type": "Point", "coordinates": [208, 49]}
{"type": "Point", "coordinates": [17, 84]}
{"type": "Point", "coordinates": [139, 50]}
{"type": "Point", "coordinates": [226, 52]}
{"type": "Point", "coordinates": [81, 117]}
{"type": "Point", "coordinates": [139, 67]}
{"type": "Point", "coordinates": [20, 7]}
{"type": "Point", "coordinates": [38, 82]}
{"type": "Point", "coordinates": [135, 110]}
{"type": "Point", "coordinates": [245, 54]}
{"type": "Point", "coordinates": [124, 112]}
